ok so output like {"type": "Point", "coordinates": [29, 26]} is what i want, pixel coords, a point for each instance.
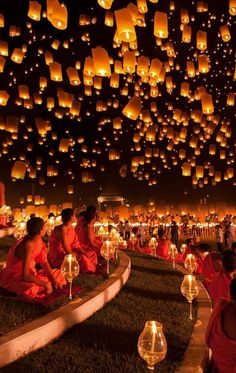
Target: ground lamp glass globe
{"type": "Point", "coordinates": [152, 346]}
{"type": "Point", "coordinates": [70, 269]}
{"type": "Point", "coordinates": [190, 290]}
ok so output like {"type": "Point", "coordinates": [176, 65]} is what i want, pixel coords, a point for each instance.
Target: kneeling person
{"type": "Point", "coordinates": [20, 275]}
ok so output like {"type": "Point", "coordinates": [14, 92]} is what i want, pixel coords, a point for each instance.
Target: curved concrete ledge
{"type": "Point", "coordinates": [40, 332]}
{"type": "Point", "coordinates": [6, 232]}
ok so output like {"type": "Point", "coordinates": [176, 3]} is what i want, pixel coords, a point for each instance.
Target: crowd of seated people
{"type": "Point", "coordinates": [32, 270]}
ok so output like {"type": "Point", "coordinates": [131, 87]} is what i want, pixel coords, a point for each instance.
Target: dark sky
{"type": "Point", "coordinates": [171, 186]}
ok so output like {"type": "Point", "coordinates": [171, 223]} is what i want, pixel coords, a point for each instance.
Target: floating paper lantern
{"type": "Point", "coordinates": [187, 34]}
{"type": "Point", "coordinates": [3, 48]}
{"type": "Point", "coordinates": [207, 104]}
{"type": "Point", "coordinates": [4, 96]}
{"type": "Point", "coordinates": [101, 62]}
{"type": "Point", "coordinates": [106, 4]}
{"type": "Point", "coordinates": [64, 145]}
{"type": "Point", "coordinates": [70, 189]}
{"type": "Point", "coordinates": [17, 55]}
{"type": "Point", "coordinates": [18, 170]}
{"type": "Point", "coordinates": [199, 172]}
{"type": "Point", "coordinates": [231, 99]}
{"type": "Point", "coordinates": [129, 62]}
{"type": "Point", "coordinates": [225, 33]}
{"type": "Point", "coordinates": [203, 65]}
{"type": "Point", "coordinates": [55, 71]}
{"type": "Point", "coordinates": [1, 20]}
{"type": "Point", "coordinates": [232, 7]}
{"type": "Point", "coordinates": [34, 11]}
{"type": "Point", "coordinates": [186, 169]}
{"type": "Point", "coordinates": [125, 26]}
{"type": "Point", "coordinates": [57, 14]}
{"type": "Point", "coordinates": [109, 19]}
{"type": "Point", "coordinates": [161, 25]}
{"type": "Point", "coordinates": [201, 40]}
{"type": "Point", "coordinates": [73, 76]}
{"type": "Point", "coordinates": [133, 108]}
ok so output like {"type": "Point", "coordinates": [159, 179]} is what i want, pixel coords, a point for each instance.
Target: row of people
{"type": "Point", "coordinates": [21, 277]}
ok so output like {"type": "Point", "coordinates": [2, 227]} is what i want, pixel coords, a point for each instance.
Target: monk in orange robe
{"type": "Point", "coordinates": [64, 240]}
{"type": "Point", "coordinates": [211, 266]}
{"type": "Point", "coordinates": [134, 242]}
{"type": "Point", "coordinates": [85, 232]}
{"type": "Point", "coordinates": [219, 286]}
{"type": "Point", "coordinates": [221, 334]}
{"type": "Point", "coordinates": [20, 275]}
{"type": "Point", "coordinates": [162, 249]}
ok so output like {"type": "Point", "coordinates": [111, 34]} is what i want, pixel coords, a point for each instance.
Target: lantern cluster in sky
{"type": "Point", "coordinates": [143, 85]}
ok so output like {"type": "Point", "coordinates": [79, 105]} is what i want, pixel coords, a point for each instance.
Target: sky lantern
{"type": "Point", "coordinates": [18, 170]}
{"type": "Point", "coordinates": [225, 33]}
{"type": "Point", "coordinates": [203, 65]}
{"type": "Point", "coordinates": [34, 11]}
{"type": "Point", "coordinates": [161, 25]}
{"type": "Point", "coordinates": [101, 62]}
{"type": "Point", "coordinates": [125, 26]}
{"type": "Point", "coordinates": [186, 34]}
{"type": "Point", "coordinates": [142, 6]}
{"type": "Point", "coordinates": [207, 103]}
{"type": "Point", "coordinates": [57, 14]}
{"type": "Point", "coordinates": [17, 55]}
{"type": "Point", "coordinates": [232, 7]}
{"type": "Point", "coordinates": [129, 62]}
{"type": "Point", "coordinates": [133, 108]}
{"type": "Point", "coordinates": [106, 4]}
{"type": "Point", "coordinates": [3, 48]}
{"type": "Point", "coordinates": [4, 96]}
{"type": "Point", "coordinates": [55, 71]}
{"type": "Point", "coordinates": [201, 40]}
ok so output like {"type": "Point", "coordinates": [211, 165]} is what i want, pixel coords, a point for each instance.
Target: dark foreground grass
{"type": "Point", "coordinates": [107, 341]}
{"type": "Point", "coordinates": [14, 313]}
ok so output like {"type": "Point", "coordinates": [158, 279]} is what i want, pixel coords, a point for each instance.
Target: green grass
{"type": "Point", "coordinates": [107, 341]}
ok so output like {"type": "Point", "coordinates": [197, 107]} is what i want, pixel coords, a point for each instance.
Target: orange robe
{"type": "Point", "coordinates": [87, 258]}
{"type": "Point", "coordinates": [219, 287]}
{"type": "Point", "coordinates": [11, 275]}
{"type": "Point", "coordinates": [86, 236]}
{"type": "Point", "coordinates": [208, 269]}
{"type": "Point", "coordinates": [162, 249]}
{"type": "Point", "coordinates": [223, 348]}
{"type": "Point", "coordinates": [136, 247]}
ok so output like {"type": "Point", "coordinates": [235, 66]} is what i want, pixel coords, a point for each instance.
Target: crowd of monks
{"type": "Point", "coordinates": [33, 271]}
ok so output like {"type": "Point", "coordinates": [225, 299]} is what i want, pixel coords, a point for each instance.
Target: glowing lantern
{"type": "Point", "coordinates": [75, 108]}
{"type": "Point", "coordinates": [73, 76]}
{"type": "Point", "coordinates": [184, 15]}
{"type": "Point", "coordinates": [34, 11]}
{"type": "Point", "coordinates": [1, 20]}
{"type": "Point", "coordinates": [190, 69]}
{"type": "Point", "coordinates": [225, 33]}
{"type": "Point", "coordinates": [142, 6]}
{"type": "Point", "coordinates": [232, 7]}
{"type": "Point", "coordinates": [186, 169]}
{"type": "Point", "coordinates": [106, 4]}
{"type": "Point", "coordinates": [2, 63]}
{"type": "Point", "coordinates": [23, 92]}
{"type": "Point", "coordinates": [64, 145]}
{"type": "Point", "coordinates": [207, 104]}
{"type": "Point", "coordinates": [125, 26]}
{"type": "Point", "coordinates": [101, 61]}
{"type": "Point", "coordinates": [29, 198]}
{"type": "Point", "coordinates": [18, 170]}
{"type": "Point", "coordinates": [129, 62]}
{"type": "Point", "coordinates": [117, 123]}
{"type": "Point", "coordinates": [217, 176]}
{"type": "Point", "coordinates": [199, 172]}
{"type": "Point", "coordinates": [201, 40]}
{"type": "Point", "coordinates": [109, 19]}
{"type": "Point", "coordinates": [70, 189]}
{"type": "Point", "coordinates": [212, 149]}
{"type": "Point", "coordinates": [87, 177]}
{"type": "Point", "coordinates": [3, 48]}
{"type": "Point", "coordinates": [4, 96]}
{"type": "Point", "coordinates": [184, 90]}
{"type": "Point", "coordinates": [114, 80]}
{"type": "Point", "coordinates": [114, 155]}
{"type": "Point", "coordinates": [17, 55]}
{"type": "Point", "coordinates": [55, 71]}
{"type": "Point", "coordinates": [12, 124]}
{"type": "Point", "coordinates": [231, 99]}
{"type": "Point", "coordinates": [55, 44]}
{"type": "Point", "coordinates": [133, 108]}
{"type": "Point", "coordinates": [187, 34]}
{"type": "Point", "coordinates": [161, 25]}
{"type": "Point", "coordinates": [143, 64]}
{"type": "Point", "coordinates": [57, 14]}
{"type": "Point", "coordinates": [203, 65]}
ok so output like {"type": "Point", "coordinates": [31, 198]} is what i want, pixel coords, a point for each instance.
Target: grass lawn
{"type": "Point", "coordinates": [14, 313]}
{"type": "Point", "coordinates": [107, 341]}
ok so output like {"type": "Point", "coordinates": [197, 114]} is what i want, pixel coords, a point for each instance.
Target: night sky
{"type": "Point", "coordinates": [96, 127]}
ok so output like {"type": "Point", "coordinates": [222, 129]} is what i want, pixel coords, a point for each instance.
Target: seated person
{"type": "Point", "coordinates": [135, 242]}
{"type": "Point", "coordinates": [163, 242]}
{"type": "Point", "coordinates": [219, 286]}
{"type": "Point", "coordinates": [221, 334]}
{"type": "Point", "coordinates": [20, 275]}
{"type": "Point", "coordinates": [64, 240]}
{"type": "Point", "coordinates": [211, 265]}
{"type": "Point", "coordinates": [85, 232]}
